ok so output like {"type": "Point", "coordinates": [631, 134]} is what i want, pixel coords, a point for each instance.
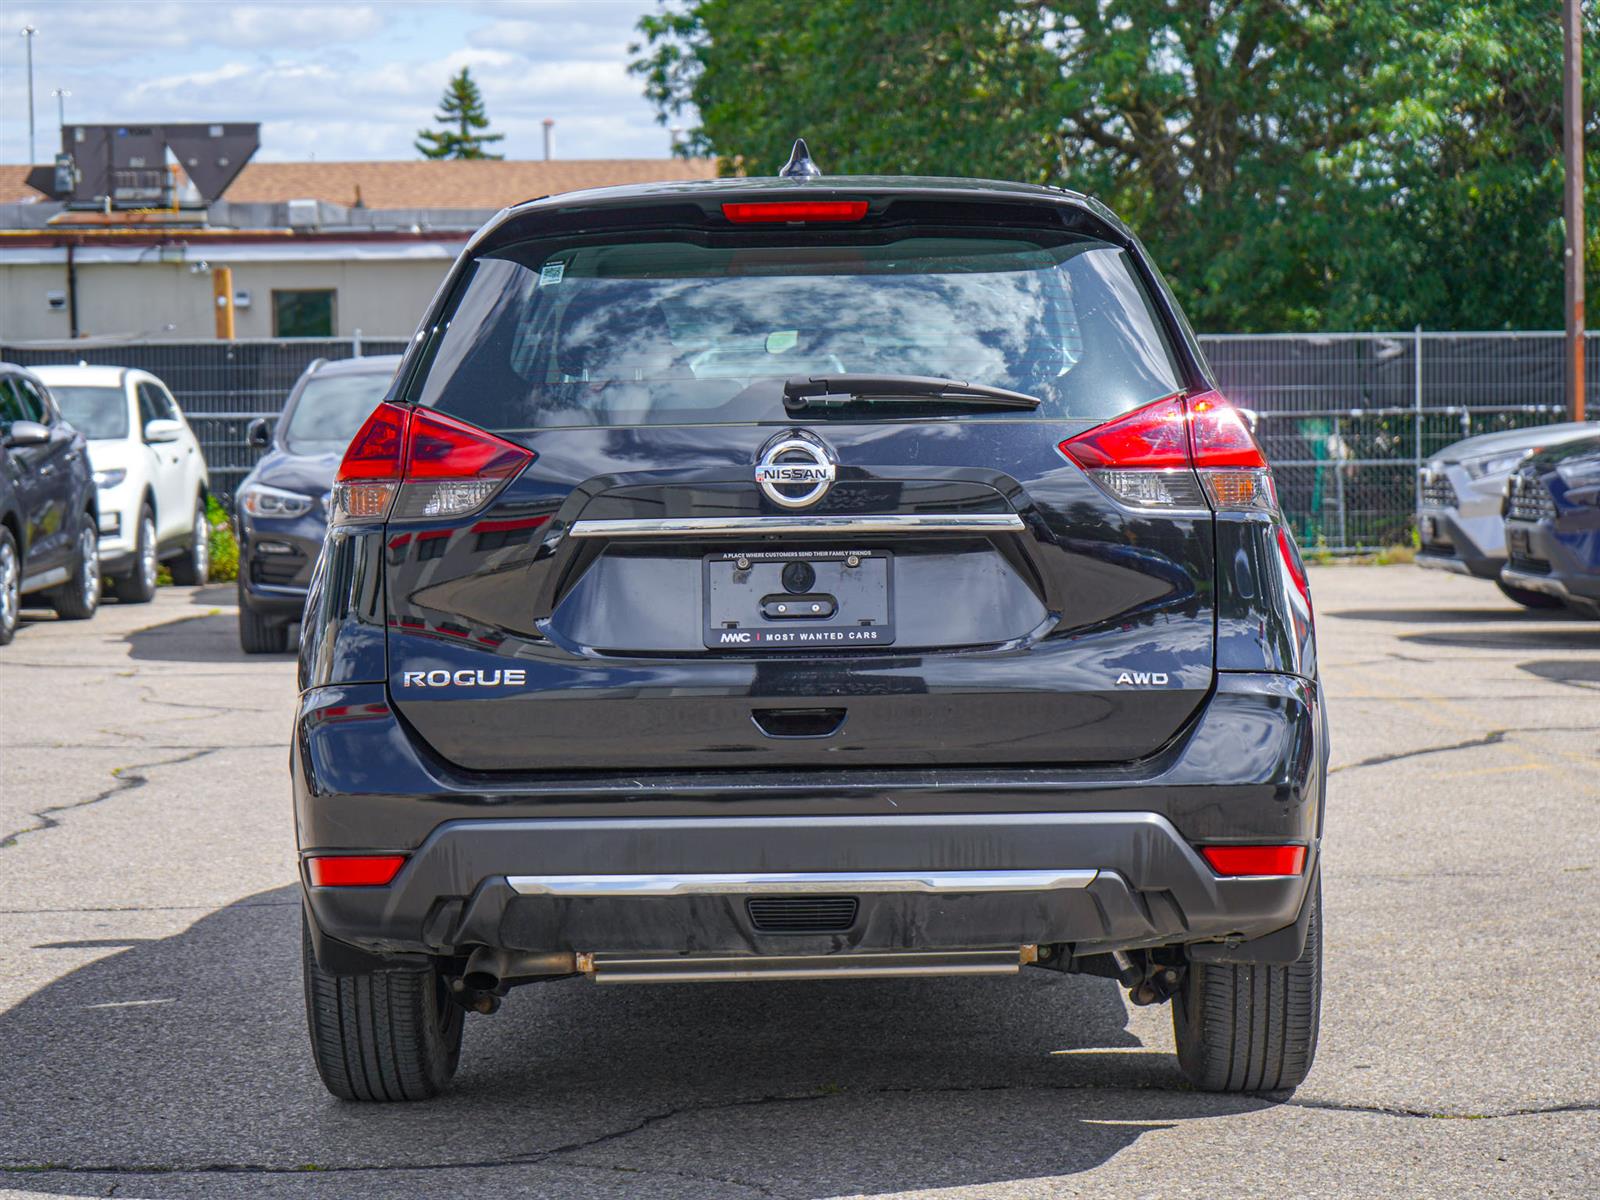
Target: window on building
{"type": "Point", "coordinates": [302, 314]}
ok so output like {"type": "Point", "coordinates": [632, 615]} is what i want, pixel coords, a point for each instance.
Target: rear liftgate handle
{"type": "Point", "coordinates": [798, 722]}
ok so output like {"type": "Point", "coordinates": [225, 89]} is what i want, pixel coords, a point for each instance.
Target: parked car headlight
{"type": "Point", "coordinates": [259, 500]}
{"type": "Point", "coordinates": [109, 479]}
{"type": "Point", "coordinates": [1494, 464]}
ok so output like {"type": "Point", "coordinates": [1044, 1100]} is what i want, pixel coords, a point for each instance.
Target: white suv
{"type": "Point", "coordinates": [150, 471]}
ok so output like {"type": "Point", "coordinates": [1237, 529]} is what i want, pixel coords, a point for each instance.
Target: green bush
{"type": "Point", "coordinates": [224, 546]}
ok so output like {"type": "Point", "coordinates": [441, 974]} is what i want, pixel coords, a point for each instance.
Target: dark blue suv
{"type": "Point", "coordinates": [807, 578]}
{"type": "Point", "coordinates": [281, 508]}
{"type": "Point", "coordinates": [49, 510]}
{"type": "Point", "coordinates": [1552, 519]}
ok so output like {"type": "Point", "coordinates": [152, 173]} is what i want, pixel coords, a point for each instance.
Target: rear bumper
{"type": "Point", "coordinates": [1250, 768]}
{"type": "Point", "coordinates": [623, 886]}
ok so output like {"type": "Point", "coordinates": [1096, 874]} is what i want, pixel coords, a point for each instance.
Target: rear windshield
{"type": "Point", "coordinates": [673, 332]}
{"type": "Point", "coordinates": [330, 410]}
{"type": "Point", "coordinates": [96, 412]}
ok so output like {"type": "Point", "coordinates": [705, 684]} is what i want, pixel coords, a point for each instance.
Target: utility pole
{"type": "Point", "coordinates": [28, 32]}
{"type": "Point", "coordinates": [549, 137]}
{"type": "Point", "coordinates": [1572, 197]}
{"type": "Point", "coordinates": [61, 95]}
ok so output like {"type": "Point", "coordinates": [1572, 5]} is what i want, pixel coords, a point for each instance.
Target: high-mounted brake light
{"type": "Point", "coordinates": [756, 212]}
{"type": "Point", "coordinates": [1255, 860]}
{"type": "Point", "coordinates": [416, 463]}
{"type": "Point", "coordinates": [354, 870]}
{"type": "Point", "coordinates": [1177, 453]}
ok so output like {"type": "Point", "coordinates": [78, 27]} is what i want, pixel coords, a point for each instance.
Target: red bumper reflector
{"type": "Point", "coordinates": [1255, 860]}
{"type": "Point", "coordinates": [354, 870]}
{"type": "Point", "coordinates": [795, 210]}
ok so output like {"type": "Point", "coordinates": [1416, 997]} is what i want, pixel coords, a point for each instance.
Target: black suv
{"type": "Point", "coordinates": [1552, 523]}
{"type": "Point", "coordinates": [807, 578]}
{"type": "Point", "coordinates": [49, 517]}
{"type": "Point", "coordinates": [281, 509]}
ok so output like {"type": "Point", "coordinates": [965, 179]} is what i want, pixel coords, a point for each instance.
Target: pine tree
{"type": "Point", "coordinates": [460, 106]}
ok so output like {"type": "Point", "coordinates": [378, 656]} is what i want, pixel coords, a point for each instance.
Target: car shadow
{"type": "Point", "coordinates": [1567, 637]}
{"type": "Point", "coordinates": [211, 638]}
{"type": "Point", "coordinates": [1453, 616]}
{"type": "Point", "coordinates": [1575, 672]}
{"type": "Point", "coordinates": [189, 1052]}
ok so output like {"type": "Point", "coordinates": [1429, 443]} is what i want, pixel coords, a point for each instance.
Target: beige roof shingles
{"type": "Point", "coordinates": [478, 183]}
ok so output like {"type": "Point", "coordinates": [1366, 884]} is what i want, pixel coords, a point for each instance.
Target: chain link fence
{"type": "Point", "coordinates": [1346, 419]}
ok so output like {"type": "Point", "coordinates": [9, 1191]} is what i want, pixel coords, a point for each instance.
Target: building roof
{"type": "Point", "coordinates": [14, 188]}
{"type": "Point", "coordinates": [475, 184]}
{"type": "Point", "coordinates": [468, 184]}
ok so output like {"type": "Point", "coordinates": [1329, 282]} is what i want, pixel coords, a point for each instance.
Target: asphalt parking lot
{"type": "Point", "coordinates": [152, 1041]}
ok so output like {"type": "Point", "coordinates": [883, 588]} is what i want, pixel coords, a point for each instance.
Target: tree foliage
{"type": "Point", "coordinates": [1347, 164]}
{"type": "Point", "coordinates": [462, 119]}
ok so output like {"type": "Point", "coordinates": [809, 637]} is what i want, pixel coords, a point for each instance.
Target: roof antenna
{"type": "Point", "coordinates": [799, 165]}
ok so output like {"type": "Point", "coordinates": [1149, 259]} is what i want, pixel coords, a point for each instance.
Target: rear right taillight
{"type": "Point", "coordinates": [1181, 452]}
{"type": "Point", "coordinates": [416, 464]}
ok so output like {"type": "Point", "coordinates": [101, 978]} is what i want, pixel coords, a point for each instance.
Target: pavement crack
{"type": "Point", "coordinates": [1493, 738]}
{"type": "Point", "coordinates": [126, 781]}
{"type": "Point", "coordinates": [1387, 1110]}
{"type": "Point", "coordinates": [649, 1120]}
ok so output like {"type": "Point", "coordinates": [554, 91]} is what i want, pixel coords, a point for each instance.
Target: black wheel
{"type": "Point", "coordinates": [1527, 598]}
{"type": "Point", "coordinates": [258, 634]}
{"type": "Point", "coordinates": [1252, 1028]}
{"type": "Point", "coordinates": [10, 585]}
{"type": "Point", "coordinates": [138, 586]}
{"type": "Point", "coordinates": [194, 567]}
{"type": "Point", "coordinates": [79, 597]}
{"type": "Point", "coordinates": [390, 1035]}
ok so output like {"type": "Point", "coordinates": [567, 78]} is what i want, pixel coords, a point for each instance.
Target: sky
{"type": "Point", "coordinates": [337, 80]}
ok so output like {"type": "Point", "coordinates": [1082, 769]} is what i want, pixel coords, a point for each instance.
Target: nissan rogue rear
{"type": "Point", "coordinates": [807, 578]}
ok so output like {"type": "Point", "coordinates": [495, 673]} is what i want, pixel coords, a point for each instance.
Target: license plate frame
{"type": "Point", "coordinates": [735, 584]}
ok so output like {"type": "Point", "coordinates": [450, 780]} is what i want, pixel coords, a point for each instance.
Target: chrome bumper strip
{"type": "Point", "coordinates": [799, 884]}
{"type": "Point", "coordinates": [789, 524]}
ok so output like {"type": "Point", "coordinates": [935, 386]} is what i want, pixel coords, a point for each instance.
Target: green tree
{"type": "Point", "coordinates": [1294, 164]}
{"type": "Point", "coordinates": [461, 116]}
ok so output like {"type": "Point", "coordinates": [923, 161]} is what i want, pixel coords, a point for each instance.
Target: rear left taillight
{"type": "Point", "coordinates": [416, 464]}
{"type": "Point", "coordinates": [1182, 452]}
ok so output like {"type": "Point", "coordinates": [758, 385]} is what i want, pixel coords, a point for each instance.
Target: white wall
{"type": "Point", "coordinates": [382, 298]}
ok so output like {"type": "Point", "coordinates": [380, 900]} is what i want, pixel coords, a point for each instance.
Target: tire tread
{"type": "Point", "coordinates": [381, 1037]}
{"type": "Point", "coordinates": [1252, 1027]}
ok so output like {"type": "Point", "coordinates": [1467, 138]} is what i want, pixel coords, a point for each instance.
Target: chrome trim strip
{"type": "Point", "coordinates": [757, 526]}
{"type": "Point", "coordinates": [801, 883]}
{"type": "Point", "coordinates": [722, 969]}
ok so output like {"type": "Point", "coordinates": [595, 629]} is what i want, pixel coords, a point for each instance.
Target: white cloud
{"type": "Point", "coordinates": [337, 79]}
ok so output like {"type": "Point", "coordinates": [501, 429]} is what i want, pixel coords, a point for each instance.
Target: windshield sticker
{"type": "Point", "coordinates": [551, 272]}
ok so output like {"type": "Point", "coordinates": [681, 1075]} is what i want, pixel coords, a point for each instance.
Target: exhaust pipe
{"type": "Point", "coordinates": [490, 970]}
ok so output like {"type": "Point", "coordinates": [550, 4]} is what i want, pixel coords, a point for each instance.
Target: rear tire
{"type": "Point", "coordinates": [1252, 1028]}
{"type": "Point", "coordinates": [385, 1036]}
{"type": "Point", "coordinates": [138, 586]}
{"type": "Point", "coordinates": [1527, 598]}
{"type": "Point", "coordinates": [194, 568]}
{"type": "Point", "coordinates": [258, 634]}
{"type": "Point", "coordinates": [78, 598]}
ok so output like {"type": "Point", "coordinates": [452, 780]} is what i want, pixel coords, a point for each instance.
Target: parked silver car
{"type": "Point", "coordinates": [1458, 506]}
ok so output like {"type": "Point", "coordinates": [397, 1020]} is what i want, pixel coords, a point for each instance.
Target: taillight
{"type": "Point", "coordinates": [418, 464]}
{"type": "Point", "coordinates": [1255, 860]}
{"type": "Point", "coordinates": [766, 211]}
{"type": "Point", "coordinates": [1177, 453]}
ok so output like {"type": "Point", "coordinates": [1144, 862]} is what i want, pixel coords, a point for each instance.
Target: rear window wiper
{"type": "Point", "coordinates": [810, 391]}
